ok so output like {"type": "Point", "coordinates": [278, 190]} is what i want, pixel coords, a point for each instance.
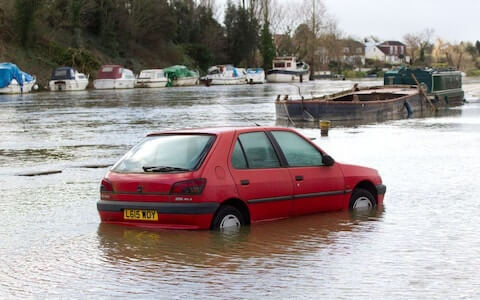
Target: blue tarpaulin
{"type": "Point", "coordinates": [9, 71]}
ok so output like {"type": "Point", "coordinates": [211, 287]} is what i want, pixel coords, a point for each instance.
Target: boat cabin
{"type": "Point", "coordinates": [66, 73]}
{"type": "Point", "coordinates": [151, 74]}
{"type": "Point", "coordinates": [114, 72]}
{"type": "Point", "coordinates": [285, 63]}
{"type": "Point", "coordinates": [435, 80]}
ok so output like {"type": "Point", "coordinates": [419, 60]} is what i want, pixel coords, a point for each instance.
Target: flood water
{"type": "Point", "coordinates": [423, 243]}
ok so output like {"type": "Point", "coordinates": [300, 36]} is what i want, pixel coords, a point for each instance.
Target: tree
{"type": "Point", "coordinates": [241, 30]}
{"type": "Point", "coordinates": [285, 43]}
{"type": "Point", "coordinates": [317, 32]}
{"type": "Point", "coordinates": [303, 39]}
{"type": "Point", "coordinates": [418, 44]}
{"type": "Point", "coordinates": [315, 20]}
{"type": "Point", "coordinates": [267, 48]}
{"type": "Point", "coordinates": [25, 13]}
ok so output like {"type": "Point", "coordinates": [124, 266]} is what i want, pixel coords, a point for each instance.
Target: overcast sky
{"type": "Point", "coordinates": [452, 20]}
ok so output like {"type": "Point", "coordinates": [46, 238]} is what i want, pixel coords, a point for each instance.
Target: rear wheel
{"type": "Point", "coordinates": [228, 217]}
{"type": "Point", "coordinates": [362, 199]}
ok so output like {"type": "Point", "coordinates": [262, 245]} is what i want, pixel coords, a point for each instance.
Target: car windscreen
{"type": "Point", "coordinates": [166, 153]}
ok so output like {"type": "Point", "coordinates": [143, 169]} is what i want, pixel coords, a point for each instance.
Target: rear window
{"type": "Point", "coordinates": [166, 153]}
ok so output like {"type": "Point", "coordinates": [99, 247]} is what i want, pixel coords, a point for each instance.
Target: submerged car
{"type": "Point", "coordinates": [218, 178]}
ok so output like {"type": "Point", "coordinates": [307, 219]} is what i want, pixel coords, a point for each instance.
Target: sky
{"type": "Point", "coordinates": [452, 20]}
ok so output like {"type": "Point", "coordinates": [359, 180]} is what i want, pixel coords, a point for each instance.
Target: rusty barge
{"type": "Point", "coordinates": [379, 103]}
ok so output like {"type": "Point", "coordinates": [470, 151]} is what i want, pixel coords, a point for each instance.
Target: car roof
{"type": "Point", "coordinates": [220, 130]}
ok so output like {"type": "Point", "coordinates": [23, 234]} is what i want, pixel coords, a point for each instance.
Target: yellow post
{"type": "Point", "coordinates": [324, 126]}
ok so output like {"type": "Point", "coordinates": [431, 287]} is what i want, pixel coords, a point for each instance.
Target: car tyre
{"type": "Point", "coordinates": [228, 217]}
{"type": "Point", "coordinates": [362, 199]}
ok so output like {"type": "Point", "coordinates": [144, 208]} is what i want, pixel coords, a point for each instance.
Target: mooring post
{"type": "Point", "coordinates": [324, 126]}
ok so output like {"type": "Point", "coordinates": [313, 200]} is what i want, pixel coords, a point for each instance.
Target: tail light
{"type": "Point", "coordinates": [189, 187]}
{"type": "Point", "coordinates": [106, 186]}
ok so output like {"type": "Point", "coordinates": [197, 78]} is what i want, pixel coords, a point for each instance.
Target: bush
{"type": "Point", "coordinates": [473, 73]}
{"type": "Point", "coordinates": [353, 74]}
{"type": "Point", "coordinates": [81, 59]}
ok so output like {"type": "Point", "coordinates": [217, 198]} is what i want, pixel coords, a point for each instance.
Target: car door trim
{"type": "Point", "coordinates": [299, 196]}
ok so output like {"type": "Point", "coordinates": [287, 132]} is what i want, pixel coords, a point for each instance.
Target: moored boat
{"type": "Point", "coordinates": [67, 79]}
{"type": "Point", "coordinates": [114, 77]}
{"type": "Point", "coordinates": [371, 104]}
{"type": "Point", "coordinates": [287, 69]}
{"type": "Point", "coordinates": [179, 75]}
{"type": "Point", "coordinates": [152, 78]}
{"type": "Point", "coordinates": [225, 75]}
{"type": "Point", "coordinates": [255, 75]}
{"type": "Point", "coordinates": [441, 85]}
{"type": "Point", "coordinates": [15, 81]}
{"type": "Point", "coordinates": [406, 93]}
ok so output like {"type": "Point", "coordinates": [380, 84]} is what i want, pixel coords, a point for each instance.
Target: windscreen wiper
{"type": "Point", "coordinates": [165, 169]}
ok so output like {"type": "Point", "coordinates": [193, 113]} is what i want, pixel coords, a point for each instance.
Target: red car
{"type": "Point", "coordinates": [230, 177]}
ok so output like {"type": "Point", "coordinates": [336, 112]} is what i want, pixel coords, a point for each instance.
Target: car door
{"type": "Point", "coordinates": [316, 187]}
{"type": "Point", "coordinates": [260, 179]}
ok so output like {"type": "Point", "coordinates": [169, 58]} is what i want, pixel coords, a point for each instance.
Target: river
{"type": "Point", "coordinates": [423, 243]}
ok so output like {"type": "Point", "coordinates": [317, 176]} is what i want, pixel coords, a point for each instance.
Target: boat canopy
{"type": "Point", "coordinates": [220, 69]}
{"type": "Point", "coordinates": [110, 72]}
{"type": "Point", "coordinates": [178, 71]}
{"type": "Point", "coordinates": [434, 79]}
{"type": "Point", "coordinates": [254, 70]}
{"type": "Point", "coordinates": [63, 73]}
{"type": "Point", "coordinates": [9, 71]}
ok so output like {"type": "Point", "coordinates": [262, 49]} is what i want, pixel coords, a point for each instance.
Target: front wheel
{"type": "Point", "coordinates": [228, 217]}
{"type": "Point", "coordinates": [362, 199]}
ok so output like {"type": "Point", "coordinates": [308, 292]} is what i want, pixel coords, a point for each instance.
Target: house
{"type": "Point", "coordinates": [347, 51]}
{"type": "Point", "coordinates": [353, 52]}
{"type": "Point", "coordinates": [392, 52]}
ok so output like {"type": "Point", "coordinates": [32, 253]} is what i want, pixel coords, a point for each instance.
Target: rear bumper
{"type": "Point", "coordinates": [170, 215]}
{"type": "Point", "coordinates": [160, 207]}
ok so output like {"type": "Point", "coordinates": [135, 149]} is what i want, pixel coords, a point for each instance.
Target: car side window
{"type": "Point", "coordinates": [258, 150]}
{"type": "Point", "coordinates": [297, 151]}
{"type": "Point", "coordinates": [238, 159]}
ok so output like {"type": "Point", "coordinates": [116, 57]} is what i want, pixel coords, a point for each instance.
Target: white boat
{"type": "Point", "coordinates": [114, 77]}
{"type": "Point", "coordinates": [287, 69]}
{"type": "Point", "coordinates": [179, 75]}
{"type": "Point", "coordinates": [225, 75]}
{"type": "Point", "coordinates": [256, 75]}
{"type": "Point", "coordinates": [67, 79]}
{"type": "Point", "coordinates": [15, 81]}
{"type": "Point", "coordinates": [152, 78]}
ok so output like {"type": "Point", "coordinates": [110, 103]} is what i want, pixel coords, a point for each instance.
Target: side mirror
{"type": "Point", "coordinates": [327, 160]}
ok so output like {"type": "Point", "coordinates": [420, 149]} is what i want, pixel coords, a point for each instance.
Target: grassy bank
{"type": "Point", "coordinates": [42, 58]}
{"type": "Point", "coordinates": [474, 73]}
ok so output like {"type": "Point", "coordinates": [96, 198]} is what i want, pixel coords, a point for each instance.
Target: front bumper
{"type": "Point", "coordinates": [170, 215]}
{"type": "Point", "coordinates": [381, 190]}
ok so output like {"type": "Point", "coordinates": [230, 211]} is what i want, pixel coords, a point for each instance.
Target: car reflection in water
{"type": "Point", "coordinates": [289, 238]}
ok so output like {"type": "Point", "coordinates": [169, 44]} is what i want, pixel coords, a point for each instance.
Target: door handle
{"type": "Point", "coordinates": [244, 182]}
{"type": "Point", "coordinates": [299, 178]}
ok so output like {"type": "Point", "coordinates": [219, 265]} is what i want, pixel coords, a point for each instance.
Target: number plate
{"type": "Point", "coordinates": [140, 214]}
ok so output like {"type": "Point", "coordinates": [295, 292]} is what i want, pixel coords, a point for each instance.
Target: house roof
{"type": "Point", "coordinates": [385, 47]}
{"type": "Point", "coordinates": [391, 43]}
{"type": "Point", "coordinates": [352, 43]}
